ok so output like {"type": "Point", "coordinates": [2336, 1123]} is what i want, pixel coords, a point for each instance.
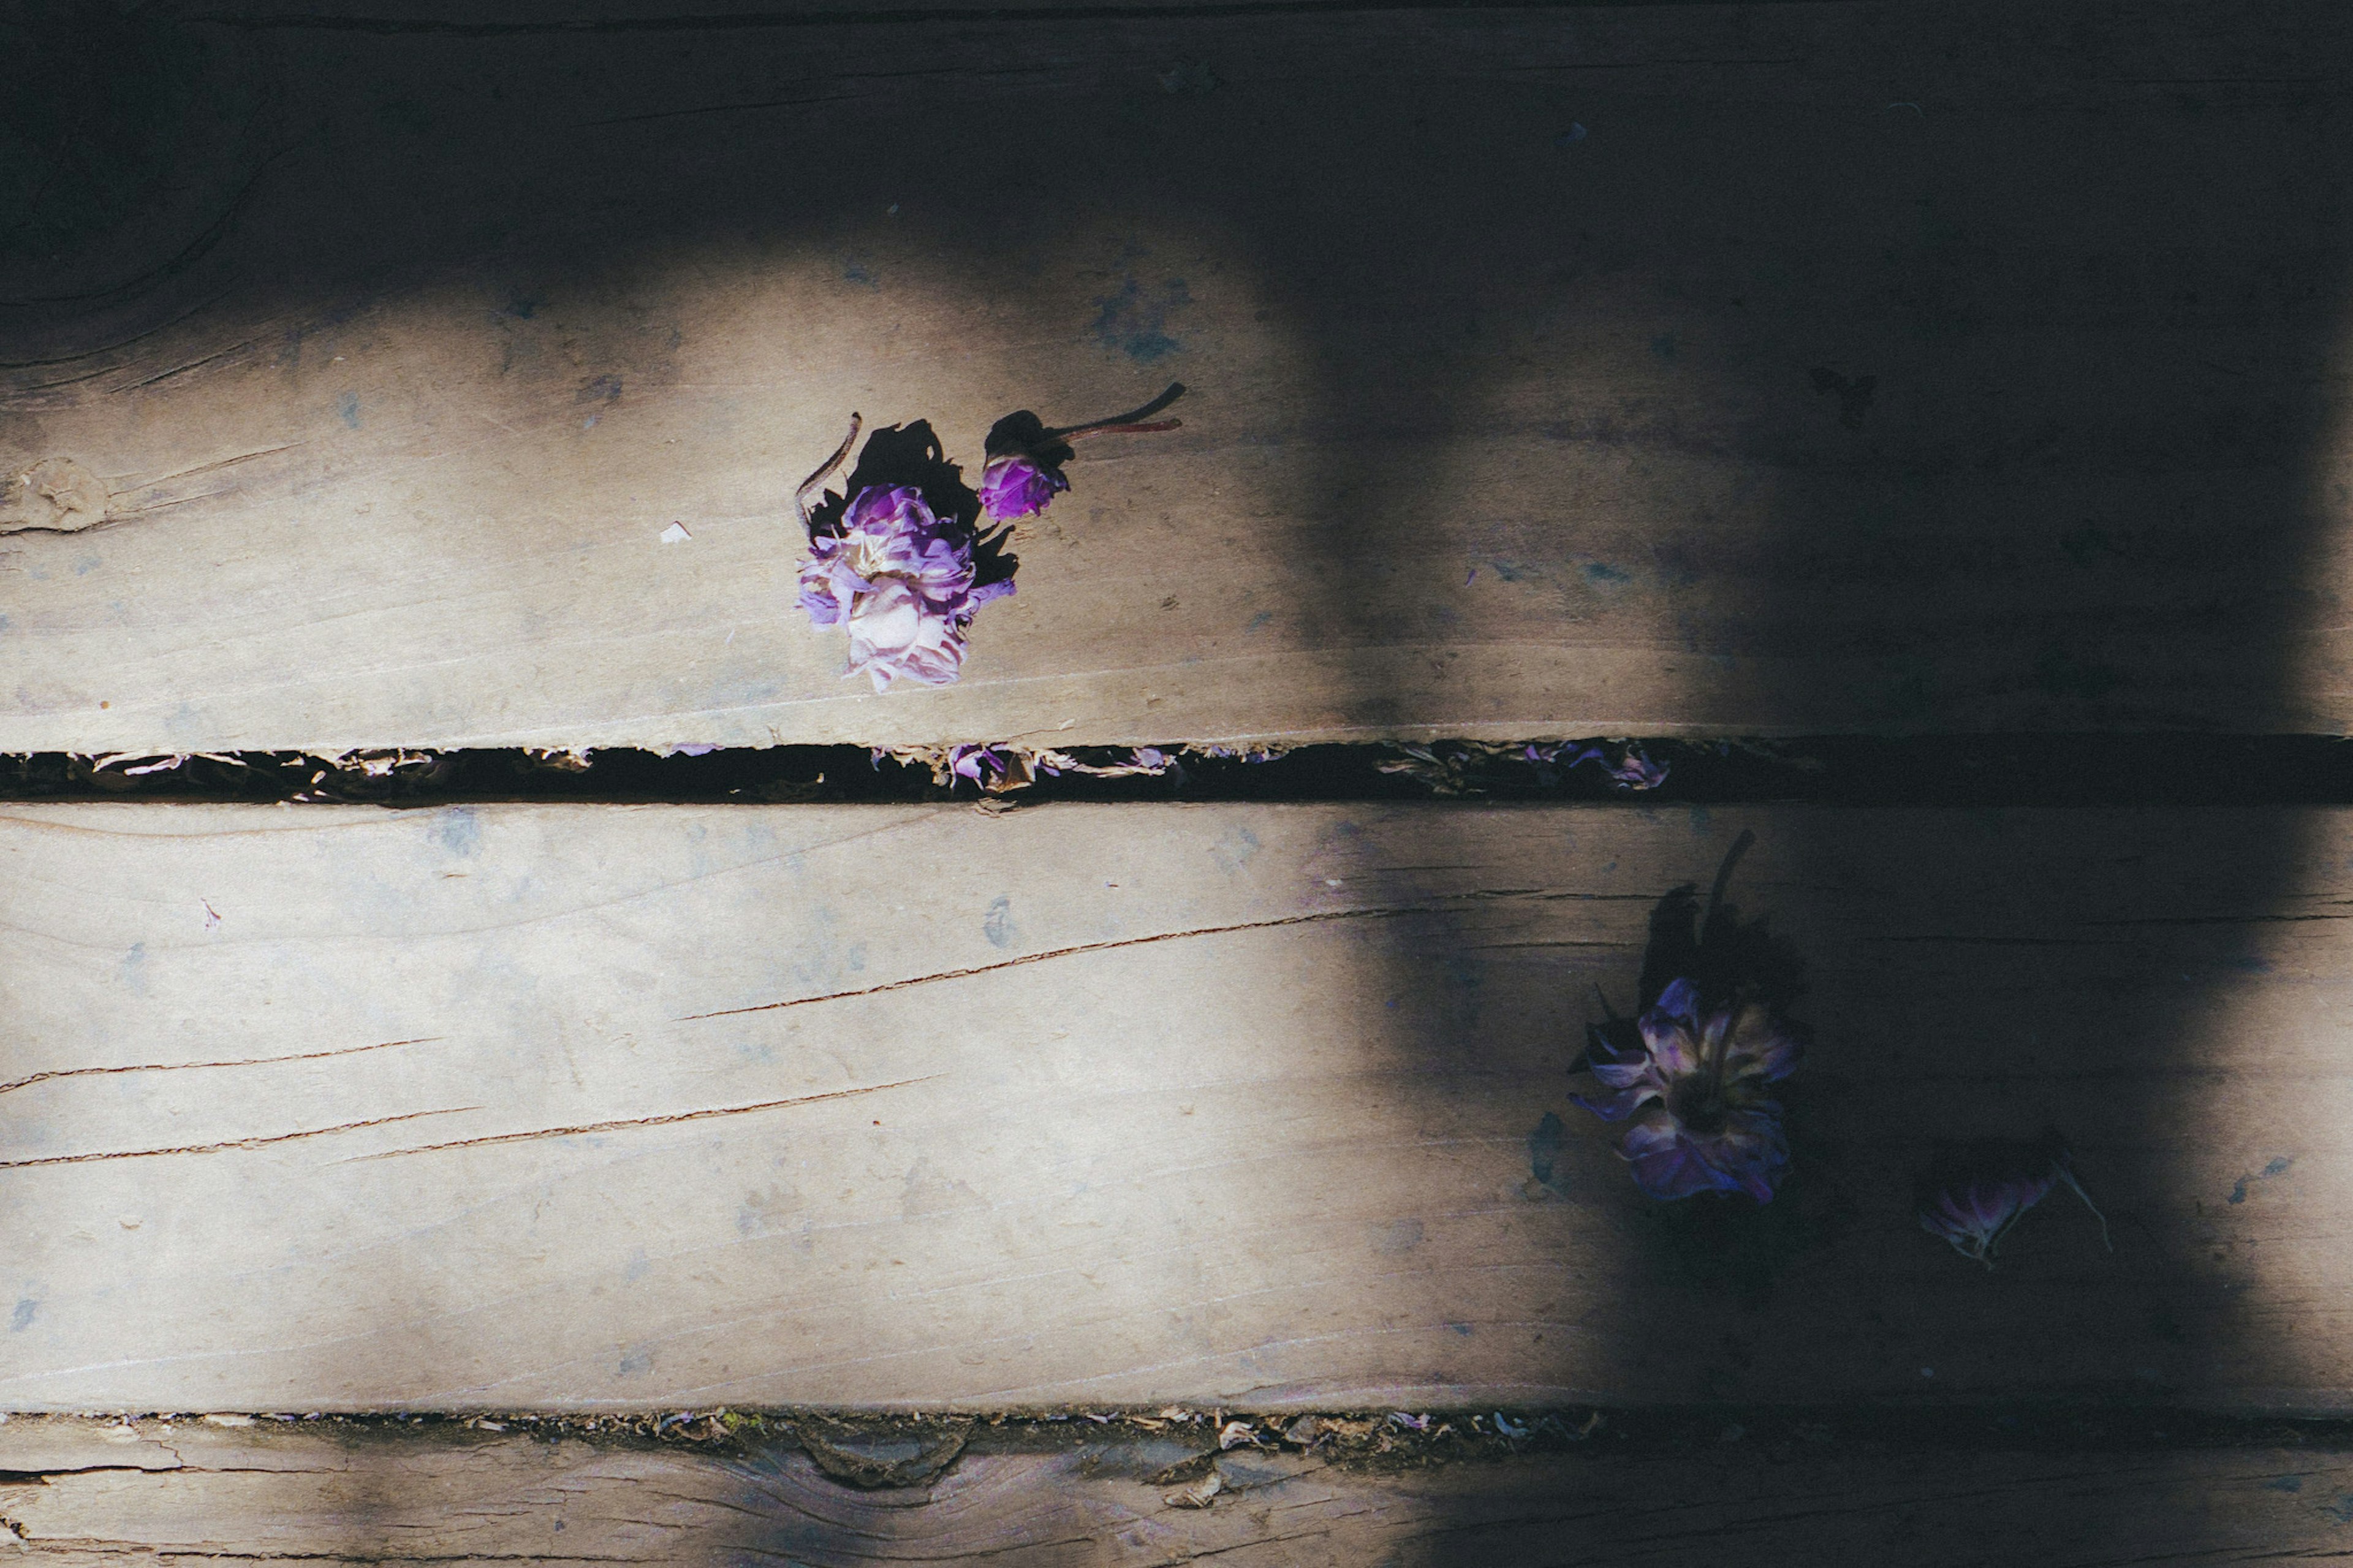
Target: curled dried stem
{"type": "Point", "coordinates": [824, 472]}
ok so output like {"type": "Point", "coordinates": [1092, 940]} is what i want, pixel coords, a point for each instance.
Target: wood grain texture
{"type": "Point", "coordinates": [1503, 328]}
{"type": "Point", "coordinates": [82, 1495]}
{"type": "Point", "coordinates": [650, 1108]}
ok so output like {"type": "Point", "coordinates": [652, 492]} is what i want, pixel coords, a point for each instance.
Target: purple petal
{"type": "Point", "coordinates": [1680, 1000]}
{"type": "Point", "coordinates": [1670, 1040]}
{"type": "Point", "coordinates": [1760, 1046]}
{"type": "Point", "coordinates": [823, 609]}
{"type": "Point", "coordinates": [1637, 772]}
{"type": "Point", "coordinates": [1625, 1075]}
{"type": "Point", "coordinates": [1617, 1107]}
{"type": "Point", "coordinates": [1665, 1164]}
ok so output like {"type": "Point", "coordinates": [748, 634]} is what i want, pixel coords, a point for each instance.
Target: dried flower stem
{"type": "Point", "coordinates": [1132, 417]}
{"type": "Point", "coordinates": [824, 472]}
{"type": "Point", "coordinates": [2076, 1187]}
{"type": "Point", "coordinates": [1724, 873]}
{"type": "Point", "coordinates": [1156, 425]}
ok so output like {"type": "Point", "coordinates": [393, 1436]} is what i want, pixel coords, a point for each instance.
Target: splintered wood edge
{"type": "Point", "coordinates": [339, 1491]}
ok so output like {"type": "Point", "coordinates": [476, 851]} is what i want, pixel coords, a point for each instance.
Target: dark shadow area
{"type": "Point", "coordinates": [1986, 350]}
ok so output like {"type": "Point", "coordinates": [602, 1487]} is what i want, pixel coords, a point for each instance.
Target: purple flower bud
{"type": "Point", "coordinates": [1976, 1194]}
{"type": "Point", "coordinates": [1975, 1216]}
{"type": "Point", "coordinates": [1699, 1083]}
{"type": "Point", "coordinates": [1020, 486]}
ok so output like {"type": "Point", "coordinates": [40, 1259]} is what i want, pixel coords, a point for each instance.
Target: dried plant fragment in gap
{"type": "Point", "coordinates": [901, 558]}
{"type": "Point", "coordinates": [1458, 767]}
{"type": "Point", "coordinates": [1695, 1069]}
{"type": "Point", "coordinates": [1002, 769]}
{"type": "Point", "coordinates": [1974, 1194]}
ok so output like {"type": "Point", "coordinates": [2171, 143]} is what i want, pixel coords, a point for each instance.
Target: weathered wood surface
{"type": "Point", "coordinates": [1503, 328]}
{"type": "Point", "coordinates": [80, 1494]}
{"type": "Point", "coordinates": [650, 1108]}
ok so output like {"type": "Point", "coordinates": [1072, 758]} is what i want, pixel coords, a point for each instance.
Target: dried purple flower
{"type": "Point", "coordinates": [1977, 1195]}
{"type": "Point", "coordinates": [1019, 486]}
{"type": "Point", "coordinates": [1025, 456]}
{"type": "Point", "coordinates": [1709, 1126]}
{"type": "Point", "coordinates": [902, 579]}
{"type": "Point", "coordinates": [898, 558]}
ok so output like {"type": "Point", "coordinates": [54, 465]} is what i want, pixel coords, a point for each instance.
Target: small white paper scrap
{"type": "Point", "coordinates": [675, 534]}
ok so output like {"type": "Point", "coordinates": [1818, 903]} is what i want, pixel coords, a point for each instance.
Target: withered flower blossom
{"type": "Point", "coordinates": [1699, 1086]}
{"type": "Point", "coordinates": [1978, 1193]}
{"type": "Point", "coordinates": [899, 558]}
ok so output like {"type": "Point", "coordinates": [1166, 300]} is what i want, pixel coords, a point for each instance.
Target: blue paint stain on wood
{"type": "Point", "coordinates": [459, 832]}
{"type": "Point", "coordinates": [2278, 1166]}
{"type": "Point", "coordinates": [1234, 851]}
{"type": "Point", "coordinates": [1136, 323]}
{"type": "Point", "coordinates": [347, 409]}
{"type": "Point", "coordinates": [28, 1308]}
{"type": "Point", "coordinates": [1543, 1154]}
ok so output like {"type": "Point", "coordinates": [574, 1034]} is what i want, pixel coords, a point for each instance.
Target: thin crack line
{"type": "Point", "coordinates": [622, 1123]}
{"type": "Point", "coordinates": [213, 358]}
{"type": "Point", "coordinates": [137, 484]}
{"type": "Point", "coordinates": [32, 1078]}
{"type": "Point", "coordinates": [1373, 914]}
{"type": "Point", "coordinates": [233, 1143]}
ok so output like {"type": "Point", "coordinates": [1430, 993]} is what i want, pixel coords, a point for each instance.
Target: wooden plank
{"type": "Point", "coordinates": [1504, 417]}
{"type": "Point", "coordinates": [650, 1108]}
{"type": "Point", "coordinates": [359, 1495]}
